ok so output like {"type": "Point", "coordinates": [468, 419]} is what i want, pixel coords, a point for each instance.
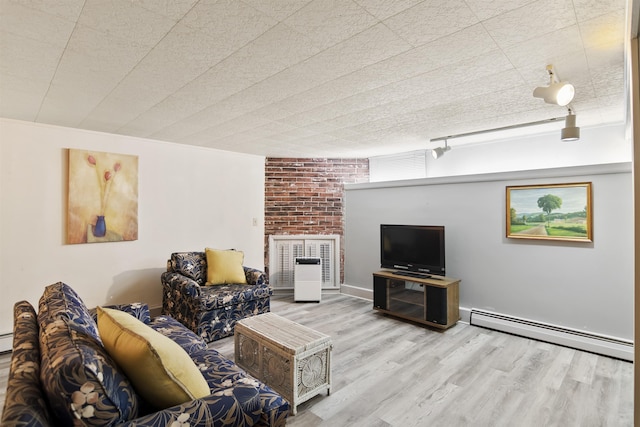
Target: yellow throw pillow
{"type": "Point", "coordinates": [224, 267]}
{"type": "Point", "coordinates": [159, 369]}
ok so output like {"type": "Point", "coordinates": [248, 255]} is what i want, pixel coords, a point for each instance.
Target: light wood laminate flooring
{"type": "Point", "coordinates": [387, 372]}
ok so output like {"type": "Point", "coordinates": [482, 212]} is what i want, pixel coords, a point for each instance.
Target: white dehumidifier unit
{"type": "Point", "coordinates": [307, 279]}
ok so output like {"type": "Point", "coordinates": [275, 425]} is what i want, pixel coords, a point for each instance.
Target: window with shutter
{"type": "Point", "coordinates": [283, 250]}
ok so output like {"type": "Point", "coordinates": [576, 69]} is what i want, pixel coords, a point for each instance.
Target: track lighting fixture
{"type": "Point", "coordinates": [559, 93]}
{"type": "Point", "coordinates": [570, 132]}
{"type": "Point", "coordinates": [439, 152]}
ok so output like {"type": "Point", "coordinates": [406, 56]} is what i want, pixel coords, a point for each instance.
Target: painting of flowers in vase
{"type": "Point", "coordinates": [103, 197]}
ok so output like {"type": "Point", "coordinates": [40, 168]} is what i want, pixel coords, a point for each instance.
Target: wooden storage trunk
{"type": "Point", "coordinates": [292, 359]}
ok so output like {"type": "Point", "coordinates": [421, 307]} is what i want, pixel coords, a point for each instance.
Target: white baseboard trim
{"type": "Point", "coordinates": [6, 342]}
{"type": "Point", "coordinates": [568, 337]}
{"type": "Point", "coordinates": [355, 291]}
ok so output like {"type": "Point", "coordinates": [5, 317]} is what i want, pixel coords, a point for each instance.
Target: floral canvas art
{"type": "Point", "coordinates": [103, 197]}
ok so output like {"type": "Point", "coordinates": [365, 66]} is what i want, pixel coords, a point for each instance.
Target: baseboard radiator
{"type": "Point", "coordinates": [600, 344]}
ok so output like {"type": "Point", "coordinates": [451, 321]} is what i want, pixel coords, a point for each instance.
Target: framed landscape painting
{"type": "Point", "coordinates": [550, 212]}
{"type": "Point", "coordinates": [103, 197]}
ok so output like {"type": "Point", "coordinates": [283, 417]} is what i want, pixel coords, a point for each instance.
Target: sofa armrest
{"type": "Point", "coordinates": [139, 310]}
{"type": "Point", "coordinates": [238, 406]}
{"type": "Point", "coordinates": [178, 282]}
{"type": "Point", "coordinates": [255, 276]}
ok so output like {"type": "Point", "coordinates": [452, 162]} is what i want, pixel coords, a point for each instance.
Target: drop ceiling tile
{"type": "Point", "coordinates": [68, 101]}
{"type": "Point", "coordinates": [598, 57]}
{"type": "Point", "coordinates": [232, 22]}
{"type": "Point", "coordinates": [275, 50]}
{"type": "Point", "coordinates": [173, 9]}
{"type": "Point", "coordinates": [66, 9]}
{"type": "Point", "coordinates": [589, 9]}
{"type": "Point", "coordinates": [485, 9]}
{"type": "Point", "coordinates": [371, 46]}
{"type": "Point", "coordinates": [604, 32]}
{"type": "Point", "coordinates": [383, 9]}
{"type": "Point", "coordinates": [328, 22]}
{"type": "Point", "coordinates": [278, 10]}
{"type": "Point", "coordinates": [568, 67]}
{"type": "Point", "coordinates": [121, 106]}
{"type": "Point", "coordinates": [546, 49]}
{"type": "Point", "coordinates": [93, 51]}
{"type": "Point", "coordinates": [431, 20]}
{"type": "Point", "coordinates": [34, 24]}
{"type": "Point", "coordinates": [28, 59]}
{"type": "Point", "coordinates": [516, 26]}
{"type": "Point", "coordinates": [454, 48]}
{"type": "Point", "coordinates": [608, 80]}
{"type": "Point", "coordinates": [17, 104]}
{"type": "Point", "coordinates": [151, 120]}
{"type": "Point", "coordinates": [127, 20]}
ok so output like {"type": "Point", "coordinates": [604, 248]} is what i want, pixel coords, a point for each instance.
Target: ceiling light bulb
{"type": "Point", "coordinates": [560, 93]}
{"type": "Point", "coordinates": [564, 93]}
{"type": "Point", "coordinates": [439, 152]}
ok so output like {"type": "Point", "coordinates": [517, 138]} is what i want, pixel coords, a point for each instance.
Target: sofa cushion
{"type": "Point", "coordinates": [162, 372]}
{"type": "Point", "coordinates": [190, 264]}
{"type": "Point", "coordinates": [24, 402]}
{"type": "Point", "coordinates": [81, 381]}
{"type": "Point", "coordinates": [224, 267]}
{"type": "Point", "coordinates": [185, 338]}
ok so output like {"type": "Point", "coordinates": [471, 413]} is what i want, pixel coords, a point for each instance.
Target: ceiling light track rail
{"type": "Point", "coordinates": [499, 129]}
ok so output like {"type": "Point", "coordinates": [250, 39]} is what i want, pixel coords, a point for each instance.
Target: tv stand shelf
{"type": "Point", "coordinates": [432, 301]}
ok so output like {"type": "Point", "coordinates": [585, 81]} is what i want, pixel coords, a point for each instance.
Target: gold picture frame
{"type": "Point", "coordinates": [550, 212]}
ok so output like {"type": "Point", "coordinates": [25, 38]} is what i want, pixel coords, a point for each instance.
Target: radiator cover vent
{"type": "Point", "coordinates": [595, 343]}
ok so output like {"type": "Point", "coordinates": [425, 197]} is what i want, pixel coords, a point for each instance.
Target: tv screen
{"type": "Point", "coordinates": [418, 248]}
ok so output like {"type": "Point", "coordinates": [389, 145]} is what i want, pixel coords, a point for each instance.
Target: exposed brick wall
{"type": "Point", "coordinates": [306, 196]}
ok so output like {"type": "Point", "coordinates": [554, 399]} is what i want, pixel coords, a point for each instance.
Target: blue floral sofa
{"type": "Point", "coordinates": [211, 312]}
{"type": "Point", "coordinates": [61, 375]}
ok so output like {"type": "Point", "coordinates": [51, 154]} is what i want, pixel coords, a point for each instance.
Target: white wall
{"type": "Point", "coordinates": [597, 145]}
{"type": "Point", "coordinates": [586, 286]}
{"type": "Point", "coordinates": [189, 198]}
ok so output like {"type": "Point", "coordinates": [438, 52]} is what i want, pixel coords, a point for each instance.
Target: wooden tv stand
{"type": "Point", "coordinates": [432, 301]}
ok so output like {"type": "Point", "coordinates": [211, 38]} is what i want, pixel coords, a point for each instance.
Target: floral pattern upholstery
{"type": "Point", "coordinates": [24, 403]}
{"type": "Point", "coordinates": [82, 383]}
{"type": "Point", "coordinates": [210, 311]}
{"type": "Point", "coordinates": [67, 334]}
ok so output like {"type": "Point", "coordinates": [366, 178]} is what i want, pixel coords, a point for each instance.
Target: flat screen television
{"type": "Point", "coordinates": [415, 248]}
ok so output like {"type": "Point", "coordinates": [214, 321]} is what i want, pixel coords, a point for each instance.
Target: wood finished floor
{"type": "Point", "coordinates": [386, 372]}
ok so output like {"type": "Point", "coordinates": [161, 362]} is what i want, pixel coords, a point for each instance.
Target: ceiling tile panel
{"type": "Point", "coordinates": [465, 44]}
{"type": "Point", "coordinates": [589, 9]}
{"type": "Point", "coordinates": [431, 20]}
{"type": "Point", "coordinates": [517, 26]}
{"type": "Point", "coordinates": [307, 77]}
{"type": "Point", "coordinates": [278, 10]}
{"type": "Point", "coordinates": [127, 20]}
{"type": "Point", "coordinates": [18, 104]}
{"type": "Point", "coordinates": [485, 9]}
{"type": "Point", "coordinates": [275, 50]}
{"type": "Point", "coordinates": [67, 9]}
{"type": "Point", "coordinates": [93, 51]}
{"type": "Point", "coordinates": [546, 49]}
{"type": "Point", "coordinates": [18, 19]}
{"type": "Point", "coordinates": [172, 9]}
{"type": "Point", "coordinates": [232, 22]}
{"type": "Point", "coordinates": [328, 22]}
{"type": "Point", "coordinates": [602, 32]}
{"type": "Point", "coordinates": [383, 9]}
{"type": "Point", "coordinates": [27, 59]}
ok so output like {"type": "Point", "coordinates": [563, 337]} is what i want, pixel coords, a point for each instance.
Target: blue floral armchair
{"type": "Point", "coordinates": [210, 311]}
